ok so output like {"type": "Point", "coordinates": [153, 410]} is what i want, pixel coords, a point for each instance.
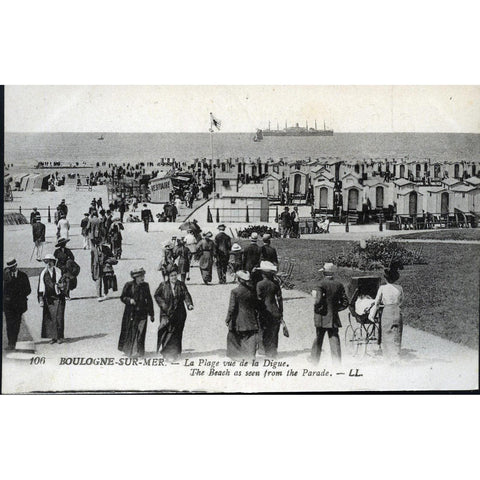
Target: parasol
{"type": "Point", "coordinates": [188, 226]}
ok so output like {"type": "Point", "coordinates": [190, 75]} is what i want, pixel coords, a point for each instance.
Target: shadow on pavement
{"type": "Point", "coordinates": [75, 339]}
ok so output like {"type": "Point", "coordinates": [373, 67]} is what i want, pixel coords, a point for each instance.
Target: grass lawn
{"type": "Point", "coordinates": [441, 297]}
{"type": "Point", "coordinates": [449, 234]}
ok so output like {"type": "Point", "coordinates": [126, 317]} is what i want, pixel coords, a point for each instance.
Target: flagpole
{"type": "Point", "coordinates": [211, 150]}
{"type": "Point", "coordinates": [211, 139]}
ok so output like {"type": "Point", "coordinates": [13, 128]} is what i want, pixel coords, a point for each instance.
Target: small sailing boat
{"type": "Point", "coordinates": [101, 137]}
{"type": "Point", "coordinates": [258, 136]}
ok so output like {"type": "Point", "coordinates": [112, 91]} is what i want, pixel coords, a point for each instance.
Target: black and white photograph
{"type": "Point", "coordinates": [241, 239]}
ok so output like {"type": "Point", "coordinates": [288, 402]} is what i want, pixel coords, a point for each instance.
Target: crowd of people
{"type": "Point", "coordinates": [255, 314]}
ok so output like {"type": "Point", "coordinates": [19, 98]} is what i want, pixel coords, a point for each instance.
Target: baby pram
{"type": "Point", "coordinates": [363, 336]}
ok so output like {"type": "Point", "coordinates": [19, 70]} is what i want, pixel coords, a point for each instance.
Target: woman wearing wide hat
{"type": "Point", "coordinates": [206, 252]}
{"type": "Point", "coordinates": [242, 319]}
{"type": "Point", "coordinates": [183, 257]}
{"type": "Point", "coordinates": [52, 301]}
{"type": "Point", "coordinates": [391, 297]}
{"type": "Point", "coordinates": [270, 299]}
{"type": "Point", "coordinates": [172, 296]}
{"type": "Point", "coordinates": [138, 308]}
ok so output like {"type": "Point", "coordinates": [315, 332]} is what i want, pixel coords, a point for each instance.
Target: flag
{"type": "Point", "coordinates": [215, 121]}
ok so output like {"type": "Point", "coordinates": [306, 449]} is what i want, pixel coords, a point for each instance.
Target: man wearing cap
{"type": "Point", "coordinates": [270, 299]}
{"type": "Point", "coordinates": [267, 252]}
{"type": "Point", "coordinates": [138, 309]}
{"type": "Point", "coordinates": [206, 253]}
{"type": "Point", "coordinates": [251, 254]}
{"type": "Point", "coordinates": [16, 289]}
{"type": "Point", "coordinates": [84, 227]}
{"type": "Point", "coordinates": [35, 213]}
{"type": "Point", "coordinates": [242, 320]}
{"type": "Point", "coordinates": [286, 222]}
{"type": "Point", "coordinates": [38, 232]}
{"type": "Point", "coordinates": [52, 301]}
{"type": "Point", "coordinates": [62, 208]}
{"type": "Point", "coordinates": [223, 244]}
{"type": "Point", "coordinates": [330, 298]}
{"type": "Point", "coordinates": [146, 216]}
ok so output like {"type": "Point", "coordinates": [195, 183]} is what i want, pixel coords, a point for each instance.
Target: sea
{"type": "Point", "coordinates": [25, 150]}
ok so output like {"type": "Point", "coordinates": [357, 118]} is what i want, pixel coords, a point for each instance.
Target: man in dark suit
{"type": "Point", "coordinates": [16, 289]}
{"type": "Point", "coordinates": [35, 213]}
{"type": "Point", "coordinates": [147, 216]}
{"type": "Point", "coordinates": [38, 232]}
{"type": "Point", "coordinates": [242, 320]}
{"type": "Point", "coordinates": [267, 252]}
{"type": "Point", "coordinates": [223, 244]}
{"type": "Point", "coordinates": [330, 298]}
{"type": "Point", "coordinates": [251, 254]}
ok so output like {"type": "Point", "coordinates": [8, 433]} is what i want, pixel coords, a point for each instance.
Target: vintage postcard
{"type": "Point", "coordinates": [241, 238]}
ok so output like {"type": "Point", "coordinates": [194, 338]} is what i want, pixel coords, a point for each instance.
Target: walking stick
{"type": "Point", "coordinates": [33, 251]}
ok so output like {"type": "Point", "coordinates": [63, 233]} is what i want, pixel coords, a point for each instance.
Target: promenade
{"type": "Point", "coordinates": [92, 328]}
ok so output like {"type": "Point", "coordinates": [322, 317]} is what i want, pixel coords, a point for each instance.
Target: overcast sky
{"type": "Point", "coordinates": [240, 108]}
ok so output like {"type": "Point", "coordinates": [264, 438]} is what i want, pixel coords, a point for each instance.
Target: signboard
{"type": "Point", "coordinates": [160, 189]}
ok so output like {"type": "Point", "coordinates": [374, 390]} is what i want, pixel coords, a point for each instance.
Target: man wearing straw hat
{"type": "Point", "coordinates": [330, 298]}
{"type": "Point", "coordinates": [223, 244]}
{"type": "Point", "coordinates": [16, 289]}
{"type": "Point", "coordinates": [52, 301]}
{"type": "Point", "coordinates": [242, 320]}
{"type": "Point", "coordinates": [270, 299]}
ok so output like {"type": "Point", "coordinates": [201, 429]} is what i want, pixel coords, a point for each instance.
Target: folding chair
{"type": "Point", "coordinates": [285, 275]}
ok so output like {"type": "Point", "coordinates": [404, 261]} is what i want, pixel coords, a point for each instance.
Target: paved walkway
{"type": "Point", "coordinates": [92, 330]}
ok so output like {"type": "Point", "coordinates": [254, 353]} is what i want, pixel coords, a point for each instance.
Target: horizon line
{"type": "Point", "coordinates": [230, 132]}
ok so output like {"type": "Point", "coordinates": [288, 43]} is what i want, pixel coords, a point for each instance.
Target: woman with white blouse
{"type": "Point", "coordinates": [391, 297]}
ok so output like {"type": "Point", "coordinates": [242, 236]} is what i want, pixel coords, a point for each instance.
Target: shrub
{"type": "Point", "coordinates": [260, 229]}
{"type": "Point", "coordinates": [378, 253]}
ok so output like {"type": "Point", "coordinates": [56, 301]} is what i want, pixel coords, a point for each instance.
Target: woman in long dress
{"type": "Point", "coordinates": [167, 260]}
{"type": "Point", "coordinates": [52, 301]}
{"type": "Point", "coordinates": [391, 297]}
{"type": "Point", "coordinates": [206, 252]}
{"type": "Point", "coordinates": [172, 296]}
{"type": "Point", "coordinates": [182, 256]}
{"type": "Point", "coordinates": [138, 308]}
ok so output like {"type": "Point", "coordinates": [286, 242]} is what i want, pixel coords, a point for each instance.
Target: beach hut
{"type": "Point", "coordinates": [323, 195]}
{"type": "Point", "coordinates": [298, 183]}
{"type": "Point", "coordinates": [272, 185]}
{"type": "Point", "coordinates": [380, 194]}
{"type": "Point", "coordinates": [234, 206]}
{"type": "Point", "coordinates": [409, 202]}
{"type": "Point", "coordinates": [352, 192]}
{"type": "Point", "coordinates": [450, 182]}
{"type": "Point", "coordinates": [225, 183]}
{"type": "Point", "coordinates": [466, 198]}
{"type": "Point", "coordinates": [36, 182]}
{"type": "Point", "coordinates": [439, 201]}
